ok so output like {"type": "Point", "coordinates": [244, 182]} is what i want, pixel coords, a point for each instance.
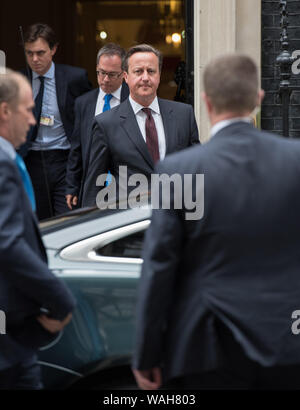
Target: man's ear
{"type": "Point", "coordinates": [260, 97]}
{"type": "Point", "coordinates": [53, 50]}
{"type": "Point", "coordinates": [126, 76]}
{"type": "Point", "coordinates": [207, 102]}
{"type": "Point", "coordinates": [4, 110]}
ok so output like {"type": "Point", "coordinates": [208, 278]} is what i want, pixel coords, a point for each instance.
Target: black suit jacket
{"type": "Point", "coordinates": [238, 265]}
{"type": "Point", "coordinates": [71, 82]}
{"type": "Point", "coordinates": [85, 107]}
{"type": "Point", "coordinates": [26, 283]}
{"type": "Point", "coordinates": [117, 141]}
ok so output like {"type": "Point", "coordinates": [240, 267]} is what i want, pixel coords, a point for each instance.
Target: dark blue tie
{"type": "Point", "coordinates": [26, 180]}
{"type": "Point", "coordinates": [32, 133]}
{"type": "Point", "coordinates": [38, 108]}
{"type": "Point", "coordinates": [107, 99]}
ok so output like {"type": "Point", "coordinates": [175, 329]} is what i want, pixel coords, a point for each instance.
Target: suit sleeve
{"type": "Point", "coordinates": [162, 250]}
{"type": "Point", "coordinates": [24, 268]}
{"type": "Point", "coordinates": [74, 164]}
{"type": "Point", "coordinates": [98, 160]}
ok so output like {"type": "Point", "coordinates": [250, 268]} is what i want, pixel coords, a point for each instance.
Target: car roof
{"type": "Point", "coordinates": [73, 227]}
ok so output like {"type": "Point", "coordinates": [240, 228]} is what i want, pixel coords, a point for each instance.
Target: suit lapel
{"type": "Point", "coordinates": [124, 91]}
{"type": "Point", "coordinates": [61, 88]}
{"type": "Point", "coordinates": [168, 119]}
{"type": "Point", "coordinates": [90, 112]}
{"type": "Point", "coordinates": [130, 125]}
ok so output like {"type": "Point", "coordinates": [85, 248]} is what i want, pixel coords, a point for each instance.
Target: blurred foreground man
{"type": "Point", "coordinates": [36, 304]}
{"type": "Point", "coordinates": [218, 295]}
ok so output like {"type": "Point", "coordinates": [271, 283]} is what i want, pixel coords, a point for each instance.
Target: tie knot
{"type": "Point", "coordinates": [41, 78]}
{"type": "Point", "coordinates": [107, 98]}
{"type": "Point", "coordinates": [147, 111]}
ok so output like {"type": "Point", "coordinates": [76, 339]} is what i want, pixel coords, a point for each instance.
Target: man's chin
{"type": "Point", "coordinates": [20, 143]}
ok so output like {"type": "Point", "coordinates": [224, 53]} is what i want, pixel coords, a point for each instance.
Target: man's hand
{"type": "Point", "coordinates": [53, 325]}
{"type": "Point", "coordinates": [71, 200]}
{"type": "Point", "coordinates": [148, 379]}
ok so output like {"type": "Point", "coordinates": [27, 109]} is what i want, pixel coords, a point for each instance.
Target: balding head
{"type": "Point", "coordinates": [11, 84]}
{"type": "Point", "coordinates": [16, 104]}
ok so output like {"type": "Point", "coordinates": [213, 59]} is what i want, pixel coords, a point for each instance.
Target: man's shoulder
{"type": "Point", "coordinates": [182, 161]}
{"type": "Point", "coordinates": [70, 71]}
{"type": "Point", "coordinates": [87, 97]}
{"type": "Point", "coordinates": [69, 68]}
{"type": "Point", "coordinates": [176, 105]}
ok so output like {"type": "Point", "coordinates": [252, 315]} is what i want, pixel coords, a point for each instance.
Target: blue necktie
{"type": "Point", "coordinates": [107, 99]}
{"type": "Point", "coordinates": [26, 180]}
{"type": "Point", "coordinates": [106, 107]}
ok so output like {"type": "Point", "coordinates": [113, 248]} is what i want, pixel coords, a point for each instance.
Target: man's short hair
{"type": "Point", "coordinates": [10, 86]}
{"type": "Point", "coordinates": [231, 83]}
{"type": "Point", "coordinates": [112, 49]}
{"type": "Point", "coordinates": [143, 48]}
{"type": "Point", "coordinates": [40, 30]}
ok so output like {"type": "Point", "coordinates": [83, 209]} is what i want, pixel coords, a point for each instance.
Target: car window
{"type": "Point", "coordinates": [129, 246]}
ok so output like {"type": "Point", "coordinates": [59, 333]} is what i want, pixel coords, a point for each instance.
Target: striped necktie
{"type": "Point", "coordinates": [26, 180]}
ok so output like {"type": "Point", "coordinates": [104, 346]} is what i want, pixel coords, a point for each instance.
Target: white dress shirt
{"type": "Point", "coordinates": [141, 120]}
{"type": "Point", "coordinates": [116, 99]}
{"type": "Point", "coordinates": [222, 124]}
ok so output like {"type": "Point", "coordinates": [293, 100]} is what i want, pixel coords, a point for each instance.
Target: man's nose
{"type": "Point", "coordinates": [145, 76]}
{"type": "Point", "coordinates": [34, 57]}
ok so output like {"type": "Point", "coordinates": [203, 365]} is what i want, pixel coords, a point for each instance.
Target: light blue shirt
{"type": "Point", "coordinates": [49, 137]}
{"type": "Point", "coordinates": [8, 148]}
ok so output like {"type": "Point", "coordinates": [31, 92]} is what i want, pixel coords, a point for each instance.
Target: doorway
{"type": "Point", "coordinates": [160, 23]}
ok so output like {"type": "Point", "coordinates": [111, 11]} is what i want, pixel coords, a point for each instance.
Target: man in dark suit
{"type": "Point", "coordinates": [217, 294]}
{"type": "Point", "coordinates": [139, 131]}
{"type": "Point", "coordinates": [55, 88]}
{"type": "Point", "coordinates": [35, 302]}
{"type": "Point", "coordinates": [110, 77]}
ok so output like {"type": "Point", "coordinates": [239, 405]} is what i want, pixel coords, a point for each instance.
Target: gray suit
{"type": "Point", "coordinates": [117, 141]}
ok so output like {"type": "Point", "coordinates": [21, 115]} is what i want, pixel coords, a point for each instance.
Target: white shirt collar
{"type": "Point", "coordinates": [49, 74]}
{"type": "Point", "coordinates": [138, 107]}
{"type": "Point", "coordinates": [222, 124]}
{"type": "Point", "coordinates": [116, 94]}
{"type": "Point", "coordinates": [8, 148]}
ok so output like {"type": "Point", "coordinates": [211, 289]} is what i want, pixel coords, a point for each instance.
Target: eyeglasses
{"type": "Point", "coordinates": [111, 75]}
